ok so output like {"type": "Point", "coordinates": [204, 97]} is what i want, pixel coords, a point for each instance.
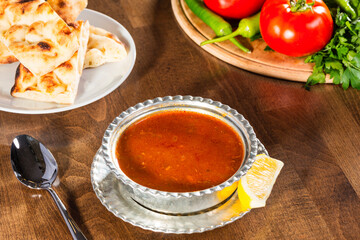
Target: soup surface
{"type": "Point", "coordinates": [179, 151]}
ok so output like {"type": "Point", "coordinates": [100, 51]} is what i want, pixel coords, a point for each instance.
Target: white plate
{"type": "Point", "coordinates": [110, 192]}
{"type": "Point", "coordinates": [95, 83]}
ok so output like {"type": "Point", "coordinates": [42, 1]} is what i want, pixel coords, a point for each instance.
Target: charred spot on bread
{"type": "Point", "coordinates": [49, 82]}
{"type": "Point", "coordinates": [12, 91]}
{"type": "Point", "coordinates": [44, 46]}
{"type": "Point", "coordinates": [7, 59]}
{"type": "Point", "coordinates": [66, 65]}
{"type": "Point", "coordinates": [26, 70]}
{"type": "Point", "coordinates": [31, 28]}
{"type": "Point", "coordinates": [113, 37]}
{"type": "Point", "coordinates": [109, 35]}
{"type": "Point", "coordinates": [11, 32]}
{"type": "Point", "coordinates": [44, 8]}
{"type": "Point", "coordinates": [17, 73]}
{"type": "Point", "coordinates": [30, 89]}
{"type": "Point", "coordinates": [66, 30]}
{"type": "Point", "coordinates": [62, 4]}
{"type": "Point", "coordinates": [73, 24]}
{"type": "Point", "coordinates": [25, 1]}
{"type": "Point", "coordinates": [22, 75]}
{"type": "Point", "coordinates": [15, 87]}
{"type": "Point", "coordinates": [25, 4]}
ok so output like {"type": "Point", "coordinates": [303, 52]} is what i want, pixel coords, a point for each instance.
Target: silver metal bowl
{"type": "Point", "coordinates": [180, 203]}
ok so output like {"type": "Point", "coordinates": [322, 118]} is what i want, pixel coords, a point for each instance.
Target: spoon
{"type": "Point", "coordinates": [35, 167]}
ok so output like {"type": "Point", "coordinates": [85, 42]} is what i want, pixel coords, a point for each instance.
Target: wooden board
{"type": "Point", "coordinates": [267, 63]}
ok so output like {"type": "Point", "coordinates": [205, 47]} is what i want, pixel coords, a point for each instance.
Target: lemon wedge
{"type": "Point", "coordinates": [255, 187]}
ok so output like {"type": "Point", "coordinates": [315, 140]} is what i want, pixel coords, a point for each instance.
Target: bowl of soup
{"type": "Point", "coordinates": [179, 154]}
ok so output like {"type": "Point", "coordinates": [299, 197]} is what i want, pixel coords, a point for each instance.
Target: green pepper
{"type": "Point", "coordinates": [354, 3]}
{"type": "Point", "coordinates": [346, 6]}
{"type": "Point", "coordinates": [248, 27]}
{"type": "Point", "coordinates": [215, 22]}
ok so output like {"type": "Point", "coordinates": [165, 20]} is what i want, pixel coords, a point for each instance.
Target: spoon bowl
{"type": "Point", "coordinates": [33, 163]}
{"type": "Point", "coordinates": [35, 167]}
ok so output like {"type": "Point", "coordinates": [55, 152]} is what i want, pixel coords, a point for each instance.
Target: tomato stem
{"type": "Point", "coordinates": [300, 5]}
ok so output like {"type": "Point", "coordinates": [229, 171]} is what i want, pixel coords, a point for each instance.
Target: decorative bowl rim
{"type": "Point", "coordinates": [111, 130]}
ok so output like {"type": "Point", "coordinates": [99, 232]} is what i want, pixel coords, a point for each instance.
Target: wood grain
{"type": "Point", "coordinates": [315, 133]}
{"type": "Point", "coordinates": [267, 63]}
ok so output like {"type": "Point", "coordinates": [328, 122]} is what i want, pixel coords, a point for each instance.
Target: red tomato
{"type": "Point", "coordinates": [297, 33]}
{"type": "Point", "coordinates": [234, 8]}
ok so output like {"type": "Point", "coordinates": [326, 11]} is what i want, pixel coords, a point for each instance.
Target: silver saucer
{"type": "Point", "coordinates": [109, 190]}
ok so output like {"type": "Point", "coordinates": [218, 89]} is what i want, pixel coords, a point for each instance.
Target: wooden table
{"type": "Point", "coordinates": [316, 133]}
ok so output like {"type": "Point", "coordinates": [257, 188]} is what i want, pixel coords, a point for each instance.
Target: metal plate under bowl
{"type": "Point", "coordinates": [110, 192]}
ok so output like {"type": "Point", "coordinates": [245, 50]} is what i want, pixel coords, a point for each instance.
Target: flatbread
{"type": "Point", "coordinates": [6, 55]}
{"type": "Point", "coordinates": [103, 47]}
{"type": "Point", "coordinates": [68, 10]}
{"type": "Point", "coordinates": [60, 85]}
{"type": "Point", "coordinates": [36, 35]}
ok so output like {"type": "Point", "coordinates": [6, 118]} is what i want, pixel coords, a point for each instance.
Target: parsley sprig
{"type": "Point", "coordinates": [341, 56]}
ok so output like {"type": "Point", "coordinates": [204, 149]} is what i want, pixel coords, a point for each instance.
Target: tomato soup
{"type": "Point", "coordinates": [179, 151]}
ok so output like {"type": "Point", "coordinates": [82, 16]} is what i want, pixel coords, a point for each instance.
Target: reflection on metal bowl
{"type": "Point", "coordinates": [180, 203]}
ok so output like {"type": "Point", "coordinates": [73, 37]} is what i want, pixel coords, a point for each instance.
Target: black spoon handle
{"type": "Point", "coordinates": [73, 228]}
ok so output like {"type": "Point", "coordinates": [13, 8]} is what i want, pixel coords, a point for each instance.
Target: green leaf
{"type": "Point", "coordinates": [351, 76]}
{"type": "Point", "coordinates": [343, 40]}
{"type": "Point", "coordinates": [267, 48]}
{"type": "Point", "coordinates": [318, 60]}
{"type": "Point", "coordinates": [341, 31]}
{"type": "Point", "coordinates": [340, 58]}
{"type": "Point", "coordinates": [341, 18]}
{"type": "Point", "coordinates": [357, 26]}
{"type": "Point", "coordinates": [355, 79]}
{"type": "Point", "coordinates": [354, 3]}
{"type": "Point", "coordinates": [354, 39]}
{"type": "Point", "coordinates": [356, 60]}
{"type": "Point", "coordinates": [345, 79]}
{"type": "Point", "coordinates": [348, 24]}
{"type": "Point", "coordinates": [346, 63]}
{"type": "Point", "coordinates": [351, 54]}
{"type": "Point", "coordinates": [309, 59]}
{"type": "Point", "coordinates": [333, 53]}
{"type": "Point", "coordinates": [334, 65]}
{"type": "Point", "coordinates": [335, 76]}
{"type": "Point", "coordinates": [316, 78]}
{"type": "Point", "coordinates": [342, 52]}
{"type": "Point", "coordinates": [256, 36]}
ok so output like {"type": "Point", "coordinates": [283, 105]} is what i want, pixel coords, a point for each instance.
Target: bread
{"type": "Point", "coordinates": [61, 84]}
{"type": "Point", "coordinates": [5, 55]}
{"type": "Point", "coordinates": [68, 10]}
{"type": "Point", "coordinates": [36, 35]}
{"type": "Point", "coordinates": [103, 47]}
